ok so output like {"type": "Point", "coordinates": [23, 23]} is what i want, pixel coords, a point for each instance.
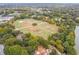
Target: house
{"type": "Point", "coordinates": [41, 51]}
{"type": "Point", "coordinates": [20, 36]}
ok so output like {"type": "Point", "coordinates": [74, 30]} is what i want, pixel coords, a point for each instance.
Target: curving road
{"type": "Point", "coordinates": [77, 39]}
{"type": "Point", "coordinates": [1, 49]}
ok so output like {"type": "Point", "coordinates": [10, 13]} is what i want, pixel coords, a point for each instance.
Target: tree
{"type": "Point", "coordinates": [15, 50]}
{"type": "Point", "coordinates": [43, 42]}
{"type": "Point", "coordinates": [19, 42]}
{"type": "Point", "coordinates": [71, 38]}
{"type": "Point", "coordinates": [59, 46]}
{"type": "Point", "coordinates": [70, 50]}
{"type": "Point", "coordinates": [2, 31]}
{"type": "Point", "coordinates": [23, 16]}
{"type": "Point", "coordinates": [1, 12]}
{"type": "Point", "coordinates": [31, 49]}
{"type": "Point", "coordinates": [77, 20]}
{"type": "Point", "coordinates": [55, 41]}
{"type": "Point", "coordinates": [10, 41]}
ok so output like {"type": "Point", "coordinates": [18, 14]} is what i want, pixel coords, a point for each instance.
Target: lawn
{"type": "Point", "coordinates": [41, 28]}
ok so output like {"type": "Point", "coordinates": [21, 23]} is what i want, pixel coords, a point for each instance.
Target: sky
{"type": "Point", "coordinates": [39, 1]}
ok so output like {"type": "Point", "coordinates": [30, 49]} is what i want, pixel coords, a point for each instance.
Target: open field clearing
{"type": "Point", "coordinates": [36, 27]}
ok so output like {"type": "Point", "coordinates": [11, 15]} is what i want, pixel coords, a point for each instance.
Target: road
{"type": "Point", "coordinates": [1, 49]}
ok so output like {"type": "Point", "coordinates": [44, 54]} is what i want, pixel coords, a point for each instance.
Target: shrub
{"type": "Point", "coordinates": [34, 24]}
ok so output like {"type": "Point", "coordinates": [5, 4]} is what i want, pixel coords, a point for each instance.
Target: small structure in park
{"type": "Point", "coordinates": [41, 51]}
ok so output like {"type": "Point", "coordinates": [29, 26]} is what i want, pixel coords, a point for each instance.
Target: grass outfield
{"type": "Point", "coordinates": [42, 29]}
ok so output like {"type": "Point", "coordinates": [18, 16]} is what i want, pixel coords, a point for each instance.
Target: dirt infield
{"type": "Point", "coordinates": [42, 29]}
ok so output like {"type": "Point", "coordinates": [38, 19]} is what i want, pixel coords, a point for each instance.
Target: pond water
{"type": "Point", "coordinates": [2, 18]}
